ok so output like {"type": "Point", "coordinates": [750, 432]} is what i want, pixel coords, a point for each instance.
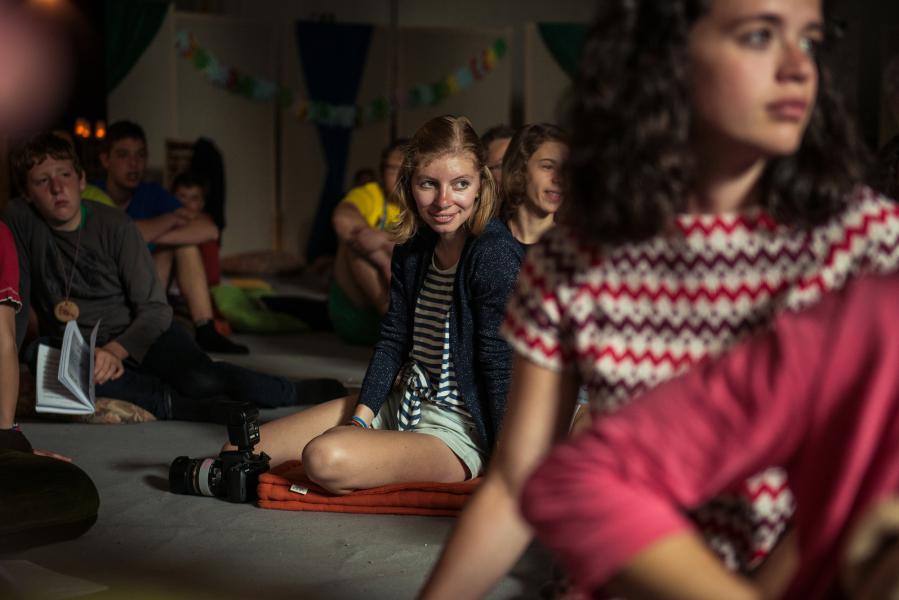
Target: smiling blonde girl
{"type": "Point", "coordinates": [434, 394]}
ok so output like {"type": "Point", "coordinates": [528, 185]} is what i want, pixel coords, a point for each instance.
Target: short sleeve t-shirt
{"type": "Point", "coordinates": [9, 269]}
{"type": "Point", "coordinates": [370, 201]}
{"type": "Point", "coordinates": [631, 317]}
{"type": "Point", "coordinates": [150, 200]}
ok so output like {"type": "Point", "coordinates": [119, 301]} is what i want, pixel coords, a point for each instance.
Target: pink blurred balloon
{"type": "Point", "coordinates": [35, 68]}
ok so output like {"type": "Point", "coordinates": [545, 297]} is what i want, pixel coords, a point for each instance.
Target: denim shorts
{"type": "Point", "coordinates": [454, 429]}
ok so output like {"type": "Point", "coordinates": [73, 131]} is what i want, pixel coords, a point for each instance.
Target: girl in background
{"type": "Point", "coordinates": [532, 180]}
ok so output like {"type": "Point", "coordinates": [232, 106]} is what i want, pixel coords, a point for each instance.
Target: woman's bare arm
{"type": "Point", "coordinates": [490, 535]}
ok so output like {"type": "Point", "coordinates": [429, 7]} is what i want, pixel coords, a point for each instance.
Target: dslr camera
{"type": "Point", "coordinates": [233, 475]}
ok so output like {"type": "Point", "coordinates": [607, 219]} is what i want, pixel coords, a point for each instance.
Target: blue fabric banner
{"type": "Point", "coordinates": [332, 56]}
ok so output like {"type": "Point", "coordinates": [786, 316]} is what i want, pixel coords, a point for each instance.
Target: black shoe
{"type": "Point", "coordinates": [316, 391]}
{"type": "Point", "coordinates": [211, 340]}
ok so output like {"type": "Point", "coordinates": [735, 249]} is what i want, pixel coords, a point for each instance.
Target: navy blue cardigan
{"type": "Point", "coordinates": [485, 277]}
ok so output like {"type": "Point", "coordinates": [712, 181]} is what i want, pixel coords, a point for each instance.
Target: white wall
{"type": "Point", "coordinates": [147, 94]}
{"type": "Point", "coordinates": [545, 82]}
{"type": "Point", "coordinates": [430, 52]}
{"type": "Point", "coordinates": [243, 129]}
{"type": "Point", "coordinates": [171, 99]}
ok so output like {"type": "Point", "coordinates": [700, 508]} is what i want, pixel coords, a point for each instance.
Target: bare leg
{"type": "Point", "coordinates": [342, 459]}
{"type": "Point", "coordinates": [362, 282]}
{"type": "Point", "coordinates": [348, 458]}
{"type": "Point", "coordinates": [285, 438]}
{"type": "Point", "coordinates": [191, 277]}
{"type": "Point", "coordinates": [164, 258]}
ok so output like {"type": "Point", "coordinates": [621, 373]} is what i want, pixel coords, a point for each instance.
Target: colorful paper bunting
{"type": "Point", "coordinates": [322, 113]}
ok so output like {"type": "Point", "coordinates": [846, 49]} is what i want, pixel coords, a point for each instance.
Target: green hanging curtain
{"type": "Point", "coordinates": [564, 41]}
{"type": "Point", "coordinates": [130, 27]}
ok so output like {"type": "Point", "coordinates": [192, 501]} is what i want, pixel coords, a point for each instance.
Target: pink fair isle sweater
{"type": "Point", "coordinates": [643, 313]}
{"type": "Point", "coordinates": [819, 394]}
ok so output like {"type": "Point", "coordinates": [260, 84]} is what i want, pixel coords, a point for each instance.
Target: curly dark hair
{"type": "Point", "coordinates": [524, 143]}
{"type": "Point", "coordinates": [630, 168]}
{"type": "Point", "coordinates": [886, 175]}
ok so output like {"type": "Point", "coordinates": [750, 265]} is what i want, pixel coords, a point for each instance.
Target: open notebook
{"type": "Point", "coordinates": [65, 378]}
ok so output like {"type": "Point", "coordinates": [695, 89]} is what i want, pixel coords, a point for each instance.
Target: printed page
{"type": "Point", "coordinates": [75, 368]}
{"type": "Point", "coordinates": [51, 395]}
{"type": "Point", "coordinates": [90, 368]}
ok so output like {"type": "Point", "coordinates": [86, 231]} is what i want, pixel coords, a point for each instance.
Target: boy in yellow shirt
{"type": "Point", "coordinates": [358, 296]}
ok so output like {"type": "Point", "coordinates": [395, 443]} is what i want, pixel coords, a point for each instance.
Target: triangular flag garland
{"type": "Point", "coordinates": [322, 113]}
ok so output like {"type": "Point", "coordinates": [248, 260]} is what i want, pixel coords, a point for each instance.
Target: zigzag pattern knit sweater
{"type": "Point", "coordinates": [634, 316]}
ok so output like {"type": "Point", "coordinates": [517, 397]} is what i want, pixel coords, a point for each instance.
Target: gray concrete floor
{"type": "Point", "coordinates": [150, 543]}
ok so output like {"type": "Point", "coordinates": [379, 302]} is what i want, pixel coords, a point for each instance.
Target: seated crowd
{"type": "Point", "coordinates": [707, 269]}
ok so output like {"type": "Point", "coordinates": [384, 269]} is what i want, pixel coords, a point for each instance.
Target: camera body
{"type": "Point", "coordinates": [234, 474]}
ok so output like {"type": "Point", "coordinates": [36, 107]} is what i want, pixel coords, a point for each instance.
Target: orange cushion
{"type": "Point", "coordinates": [426, 498]}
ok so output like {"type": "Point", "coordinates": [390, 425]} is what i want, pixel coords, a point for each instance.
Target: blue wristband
{"type": "Point", "coordinates": [359, 422]}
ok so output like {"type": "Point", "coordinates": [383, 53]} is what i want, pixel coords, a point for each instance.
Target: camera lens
{"type": "Point", "coordinates": [196, 476]}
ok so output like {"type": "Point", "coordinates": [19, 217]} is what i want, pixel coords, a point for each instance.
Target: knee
{"type": "Point", "coordinates": [325, 462]}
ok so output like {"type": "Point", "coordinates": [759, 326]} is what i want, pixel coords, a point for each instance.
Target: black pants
{"type": "Point", "coordinates": [177, 380]}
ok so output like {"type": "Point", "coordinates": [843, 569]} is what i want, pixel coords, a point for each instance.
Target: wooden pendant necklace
{"type": "Point", "coordinates": [66, 310]}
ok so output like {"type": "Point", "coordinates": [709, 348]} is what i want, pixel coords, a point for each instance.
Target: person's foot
{"type": "Point", "coordinates": [316, 391]}
{"type": "Point", "coordinates": [211, 340]}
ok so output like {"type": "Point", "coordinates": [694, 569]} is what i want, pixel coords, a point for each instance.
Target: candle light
{"type": "Point", "coordinates": [82, 128]}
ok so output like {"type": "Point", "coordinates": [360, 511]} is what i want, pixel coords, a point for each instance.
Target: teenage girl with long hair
{"type": "Point", "coordinates": [434, 394]}
{"type": "Point", "coordinates": [713, 183]}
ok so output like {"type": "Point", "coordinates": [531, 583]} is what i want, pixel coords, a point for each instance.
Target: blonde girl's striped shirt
{"type": "Point", "coordinates": [431, 336]}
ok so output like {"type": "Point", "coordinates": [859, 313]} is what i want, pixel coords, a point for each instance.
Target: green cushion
{"type": "Point", "coordinates": [360, 326]}
{"type": "Point", "coordinates": [247, 315]}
